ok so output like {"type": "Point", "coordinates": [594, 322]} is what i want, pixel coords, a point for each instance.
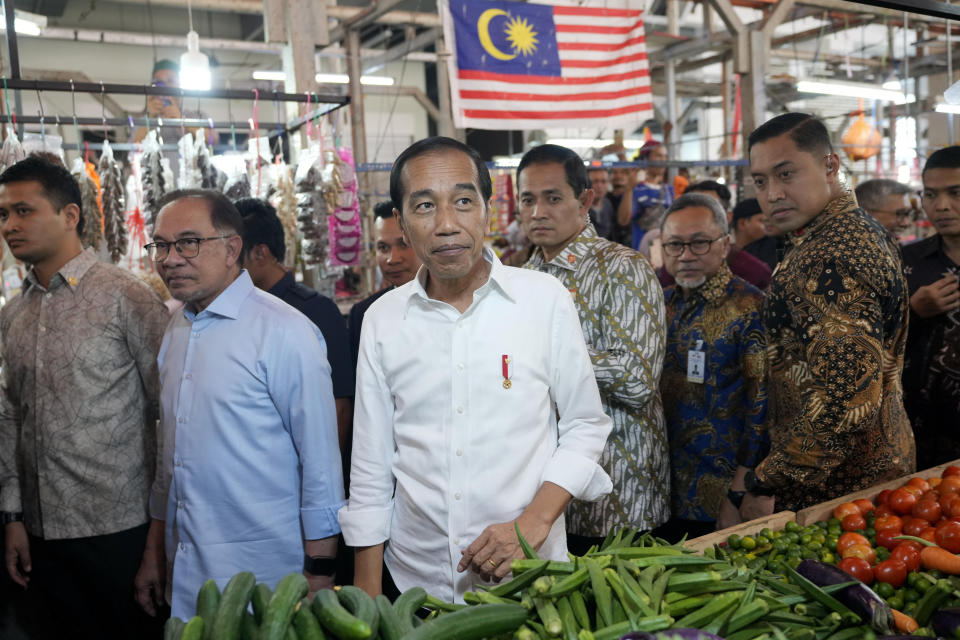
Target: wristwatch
{"type": "Point", "coordinates": [754, 485]}
{"type": "Point", "coordinates": [6, 517]}
{"type": "Point", "coordinates": [736, 497]}
{"type": "Point", "coordinates": [319, 565]}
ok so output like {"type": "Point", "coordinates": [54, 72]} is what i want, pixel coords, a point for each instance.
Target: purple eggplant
{"type": "Point", "coordinates": [946, 622]}
{"type": "Point", "coordinates": [671, 634]}
{"type": "Point", "coordinates": [859, 598]}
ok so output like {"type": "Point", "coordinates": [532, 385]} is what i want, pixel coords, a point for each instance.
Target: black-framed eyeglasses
{"type": "Point", "coordinates": [186, 247]}
{"type": "Point", "coordinates": [697, 247]}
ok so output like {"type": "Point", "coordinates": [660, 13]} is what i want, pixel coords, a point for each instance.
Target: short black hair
{"type": "Point", "coordinates": [383, 209]}
{"type": "Point", "coordinates": [572, 164]}
{"type": "Point", "coordinates": [59, 185]}
{"type": "Point", "coordinates": [434, 145]}
{"type": "Point", "coordinates": [712, 185]}
{"type": "Point", "coordinates": [946, 158]}
{"type": "Point", "coordinates": [746, 209]}
{"type": "Point", "coordinates": [261, 225]}
{"type": "Point", "coordinates": [807, 132]}
{"type": "Point", "coordinates": [223, 214]}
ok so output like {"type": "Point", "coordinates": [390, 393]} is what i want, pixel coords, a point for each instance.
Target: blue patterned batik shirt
{"type": "Point", "coordinates": [717, 424]}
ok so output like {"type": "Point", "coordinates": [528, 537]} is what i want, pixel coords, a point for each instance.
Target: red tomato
{"type": "Point", "coordinates": [928, 510]}
{"type": "Point", "coordinates": [928, 534]}
{"type": "Point", "coordinates": [858, 568]}
{"type": "Point", "coordinates": [853, 522]}
{"type": "Point", "coordinates": [848, 539]}
{"type": "Point", "coordinates": [950, 505]}
{"type": "Point", "coordinates": [883, 497]}
{"type": "Point", "coordinates": [919, 482]}
{"type": "Point", "coordinates": [952, 470]}
{"type": "Point", "coordinates": [883, 510]}
{"type": "Point", "coordinates": [931, 495]}
{"type": "Point", "coordinates": [913, 526]}
{"type": "Point", "coordinates": [864, 505]}
{"type": "Point", "coordinates": [934, 482]}
{"type": "Point", "coordinates": [845, 509]}
{"type": "Point", "coordinates": [909, 555]}
{"type": "Point", "coordinates": [948, 536]}
{"type": "Point", "coordinates": [949, 484]}
{"type": "Point", "coordinates": [914, 489]}
{"type": "Point", "coordinates": [902, 501]}
{"type": "Point", "coordinates": [885, 538]}
{"type": "Point", "coordinates": [864, 551]}
{"type": "Point", "coordinates": [888, 522]}
{"type": "Point", "coordinates": [891, 571]}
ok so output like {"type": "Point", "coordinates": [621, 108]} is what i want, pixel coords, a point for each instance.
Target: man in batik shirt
{"type": "Point", "coordinates": [836, 327]}
{"type": "Point", "coordinates": [713, 387]}
{"type": "Point", "coordinates": [620, 305]}
{"type": "Point", "coordinates": [931, 370]}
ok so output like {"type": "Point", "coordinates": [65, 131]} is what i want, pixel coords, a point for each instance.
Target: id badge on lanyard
{"type": "Point", "coordinates": [696, 364]}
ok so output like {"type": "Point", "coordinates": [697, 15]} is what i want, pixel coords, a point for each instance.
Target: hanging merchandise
{"type": "Point", "coordinates": [92, 235]}
{"type": "Point", "coordinates": [258, 154]}
{"type": "Point", "coordinates": [190, 175]}
{"type": "Point", "coordinates": [237, 184]}
{"type": "Point", "coordinates": [210, 176]}
{"type": "Point", "coordinates": [111, 195]}
{"type": "Point", "coordinates": [152, 179]}
{"type": "Point", "coordinates": [502, 209]}
{"type": "Point", "coordinates": [345, 228]}
{"type": "Point", "coordinates": [285, 202]}
{"type": "Point", "coordinates": [861, 141]}
{"type": "Point", "coordinates": [43, 143]}
{"type": "Point", "coordinates": [12, 151]}
{"type": "Point", "coordinates": [311, 207]}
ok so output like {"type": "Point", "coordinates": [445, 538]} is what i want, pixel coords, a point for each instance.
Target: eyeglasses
{"type": "Point", "coordinates": [186, 247]}
{"type": "Point", "coordinates": [697, 247]}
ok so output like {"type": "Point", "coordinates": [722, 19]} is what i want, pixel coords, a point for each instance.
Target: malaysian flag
{"type": "Point", "coordinates": [518, 65]}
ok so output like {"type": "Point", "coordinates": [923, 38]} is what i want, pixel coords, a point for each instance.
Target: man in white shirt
{"type": "Point", "coordinates": [462, 375]}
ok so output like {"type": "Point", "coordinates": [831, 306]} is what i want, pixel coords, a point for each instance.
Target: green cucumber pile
{"type": "Point", "coordinates": [632, 584]}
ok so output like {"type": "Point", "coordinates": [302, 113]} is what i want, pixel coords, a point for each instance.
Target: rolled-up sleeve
{"type": "Point", "coordinates": [366, 518]}
{"type": "Point", "coordinates": [582, 427]}
{"type": "Point", "coordinates": [300, 385]}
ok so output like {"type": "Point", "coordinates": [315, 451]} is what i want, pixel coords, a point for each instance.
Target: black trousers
{"type": "Point", "coordinates": [83, 587]}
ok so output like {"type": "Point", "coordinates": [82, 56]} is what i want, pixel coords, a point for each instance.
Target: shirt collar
{"type": "Point", "coordinates": [72, 272]}
{"type": "Point", "coordinates": [843, 203]}
{"type": "Point", "coordinates": [283, 284]}
{"type": "Point", "coordinates": [499, 278]}
{"type": "Point", "coordinates": [714, 288]}
{"type": "Point", "coordinates": [228, 303]}
{"type": "Point", "coordinates": [572, 254]}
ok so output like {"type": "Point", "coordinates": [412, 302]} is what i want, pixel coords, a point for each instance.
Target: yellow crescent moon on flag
{"type": "Point", "coordinates": [483, 30]}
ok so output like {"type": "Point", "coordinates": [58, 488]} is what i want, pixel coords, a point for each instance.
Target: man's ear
{"type": "Point", "coordinates": [234, 249]}
{"type": "Point", "coordinates": [833, 163]}
{"type": "Point", "coordinates": [71, 213]}
{"type": "Point", "coordinates": [586, 199]}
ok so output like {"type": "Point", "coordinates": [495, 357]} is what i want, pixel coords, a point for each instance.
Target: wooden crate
{"type": "Point", "coordinates": [774, 521]}
{"type": "Point", "coordinates": [824, 510]}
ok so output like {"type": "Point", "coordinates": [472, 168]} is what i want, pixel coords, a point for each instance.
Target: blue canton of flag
{"type": "Point", "coordinates": [506, 37]}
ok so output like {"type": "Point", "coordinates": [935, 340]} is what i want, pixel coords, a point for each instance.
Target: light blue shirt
{"type": "Point", "coordinates": [251, 464]}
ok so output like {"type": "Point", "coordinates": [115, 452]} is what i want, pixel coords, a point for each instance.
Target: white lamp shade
{"type": "Point", "coordinates": [194, 66]}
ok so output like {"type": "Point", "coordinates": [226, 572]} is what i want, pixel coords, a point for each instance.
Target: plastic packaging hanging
{"type": "Point", "coordinates": [153, 178]}
{"type": "Point", "coordinates": [12, 151]}
{"type": "Point", "coordinates": [345, 225]}
{"type": "Point", "coordinates": [861, 141]}
{"type": "Point", "coordinates": [92, 234]}
{"type": "Point", "coordinates": [311, 208]}
{"type": "Point", "coordinates": [112, 198]}
{"type": "Point", "coordinates": [190, 175]}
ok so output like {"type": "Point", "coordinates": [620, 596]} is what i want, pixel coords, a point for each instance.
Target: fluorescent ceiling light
{"type": "Point", "coordinates": [279, 76]}
{"type": "Point", "coordinates": [893, 85]}
{"type": "Point", "coordinates": [853, 90]}
{"type": "Point", "coordinates": [948, 108]}
{"type": "Point", "coordinates": [592, 143]}
{"type": "Point", "coordinates": [327, 78]}
{"type": "Point", "coordinates": [26, 23]}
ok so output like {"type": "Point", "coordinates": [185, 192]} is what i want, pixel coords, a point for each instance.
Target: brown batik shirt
{"type": "Point", "coordinates": [78, 406]}
{"type": "Point", "coordinates": [836, 327]}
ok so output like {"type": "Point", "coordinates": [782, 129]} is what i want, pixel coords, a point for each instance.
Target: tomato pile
{"type": "Point", "coordinates": [865, 539]}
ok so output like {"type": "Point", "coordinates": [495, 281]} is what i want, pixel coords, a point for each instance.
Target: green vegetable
{"type": "Point", "coordinates": [193, 629]}
{"type": "Point", "coordinates": [360, 604]}
{"type": "Point", "coordinates": [390, 628]}
{"type": "Point", "coordinates": [472, 623]}
{"type": "Point", "coordinates": [340, 622]}
{"type": "Point", "coordinates": [260, 600]}
{"type": "Point", "coordinates": [208, 599]}
{"type": "Point", "coordinates": [173, 629]}
{"type": "Point", "coordinates": [281, 607]}
{"type": "Point", "coordinates": [549, 616]}
{"type": "Point", "coordinates": [233, 604]}
{"type": "Point", "coordinates": [406, 606]}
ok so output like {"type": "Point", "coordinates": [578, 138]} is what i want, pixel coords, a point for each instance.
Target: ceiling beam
{"type": "Point", "coordinates": [366, 15]}
{"type": "Point", "coordinates": [427, 38]}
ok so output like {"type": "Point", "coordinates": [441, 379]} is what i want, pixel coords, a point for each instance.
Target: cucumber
{"type": "Point", "coordinates": [359, 604]}
{"type": "Point", "coordinates": [194, 629]}
{"type": "Point", "coordinates": [208, 599]}
{"type": "Point", "coordinates": [248, 627]}
{"type": "Point", "coordinates": [305, 624]}
{"type": "Point", "coordinates": [233, 604]}
{"type": "Point", "coordinates": [173, 629]}
{"type": "Point", "coordinates": [407, 604]}
{"type": "Point", "coordinates": [389, 622]}
{"type": "Point", "coordinates": [340, 622]}
{"type": "Point", "coordinates": [473, 623]}
{"type": "Point", "coordinates": [261, 598]}
{"type": "Point", "coordinates": [290, 634]}
{"type": "Point", "coordinates": [280, 610]}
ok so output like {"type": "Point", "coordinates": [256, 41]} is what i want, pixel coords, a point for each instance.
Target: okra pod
{"type": "Point", "coordinates": [714, 608]}
{"type": "Point", "coordinates": [567, 619]}
{"type": "Point", "coordinates": [580, 609]}
{"type": "Point", "coordinates": [601, 592]}
{"type": "Point", "coordinates": [549, 616]}
{"type": "Point", "coordinates": [521, 581]}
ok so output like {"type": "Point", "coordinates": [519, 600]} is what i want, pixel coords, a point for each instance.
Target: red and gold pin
{"type": "Point", "coordinates": [505, 359]}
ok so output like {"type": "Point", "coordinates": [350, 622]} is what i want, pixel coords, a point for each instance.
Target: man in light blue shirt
{"type": "Point", "coordinates": [249, 478]}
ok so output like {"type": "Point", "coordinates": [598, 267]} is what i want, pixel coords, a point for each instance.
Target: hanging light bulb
{"type": "Point", "coordinates": [194, 66]}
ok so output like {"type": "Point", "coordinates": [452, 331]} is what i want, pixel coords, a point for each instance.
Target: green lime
{"type": "Point", "coordinates": [911, 595]}
{"type": "Point", "coordinates": [733, 541]}
{"type": "Point", "coordinates": [920, 585]}
{"type": "Point", "coordinates": [827, 557]}
{"type": "Point", "coordinates": [882, 554]}
{"type": "Point", "coordinates": [832, 542]}
{"type": "Point", "coordinates": [767, 533]}
{"type": "Point", "coordinates": [792, 527]}
{"type": "Point", "coordinates": [896, 602]}
{"type": "Point", "coordinates": [748, 543]}
{"type": "Point", "coordinates": [910, 608]}
{"type": "Point", "coordinates": [814, 546]}
{"type": "Point", "coordinates": [884, 589]}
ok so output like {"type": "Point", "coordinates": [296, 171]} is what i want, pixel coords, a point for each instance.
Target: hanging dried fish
{"type": "Point", "coordinates": [285, 201]}
{"type": "Point", "coordinates": [152, 177]}
{"type": "Point", "coordinates": [92, 234]}
{"type": "Point", "coordinates": [311, 208]}
{"type": "Point", "coordinates": [190, 176]}
{"type": "Point", "coordinates": [12, 151]}
{"type": "Point", "coordinates": [210, 176]}
{"type": "Point", "coordinates": [114, 220]}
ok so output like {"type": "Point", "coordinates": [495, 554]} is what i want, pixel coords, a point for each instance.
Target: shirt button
{"type": "Point", "coordinates": [179, 504]}
{"type": "Point", "coordinates": [179, 462]}
{"type": "Point", "coordinates": [459, 409]}
{"type": "Point", "coordinates": [459, 452]}
{"type": "Point", "coordinates": [179, 419]}
{"type": "Point", "coordinates": [456, 541]}
{"type": "Point", "coordinates": [47, 295]}
{"type": "Point", "coordinates": [189, 376]}
{"type": "Point", "coordinates": [196, 335]}
{"type": "Point", "coordinates": [42, 329]}
{"type": "Point", "coordinates": [182, 546]}
{"type": "Point", "coordinates": [457, 495]}
{"type": "Point", "coordinates": [460, 366]}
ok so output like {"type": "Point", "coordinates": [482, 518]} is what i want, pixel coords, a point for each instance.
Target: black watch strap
{"type": "Point", "coordinates": [319, 565]}
{"type": "Point", "coordinates": [754, 485]}
{"type": "Point", "coordinates": [6, 517]}
{"type": "Point", "coordinates": [736, 497]}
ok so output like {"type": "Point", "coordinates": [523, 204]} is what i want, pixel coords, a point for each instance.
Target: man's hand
{"type": "Point", "coordinates": [936, 298]}
{"type": "Point", "coordinates": [490, 554]}
{"type": "Point", "coordinates": [755, 506]}
{"type": "Point", "coordinates": [151, 579]}
{"type": "Point", "coordinates": [18, 553]}
{"type": "Point", "coordinates": [317, 583]}
{"type": "Point", "coordinates": [729, 515]}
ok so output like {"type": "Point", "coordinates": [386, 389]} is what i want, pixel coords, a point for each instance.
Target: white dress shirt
{"type": "Point", "coordinates": [443, 448]}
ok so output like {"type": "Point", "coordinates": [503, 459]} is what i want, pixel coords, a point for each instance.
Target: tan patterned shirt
{"type": "Point", "coordinates": [836, 326]}
{"type": "Point", "coordinates": [79, 404]}
{"type": "Point", "coordinates": [621, 309]}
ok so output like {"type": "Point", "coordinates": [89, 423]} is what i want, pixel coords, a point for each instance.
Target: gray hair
{"type": "Point", "coordinates": [688, 200]}
{"type": "Point", "coordinates": [871, 194]}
